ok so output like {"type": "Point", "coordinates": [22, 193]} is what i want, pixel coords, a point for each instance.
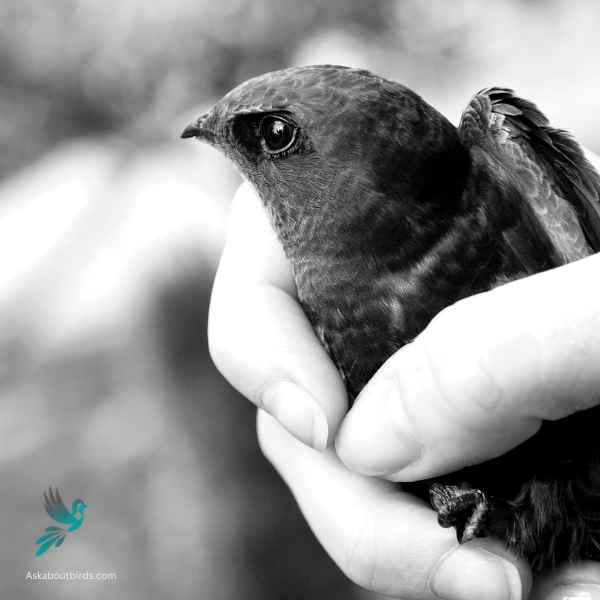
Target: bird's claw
{"type": "Point", "coordinates": [462, 507]}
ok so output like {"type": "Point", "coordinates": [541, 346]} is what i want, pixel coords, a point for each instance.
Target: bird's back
{"type": "Point", "coordinates": [529, 203]}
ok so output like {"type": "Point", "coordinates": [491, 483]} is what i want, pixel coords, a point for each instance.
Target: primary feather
{"type": "Point", "coordinates": [55, 507]}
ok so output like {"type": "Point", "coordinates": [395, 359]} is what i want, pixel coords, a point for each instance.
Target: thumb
{"type": "Point", "coordinates": [481, 377]}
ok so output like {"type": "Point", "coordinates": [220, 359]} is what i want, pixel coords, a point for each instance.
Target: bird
{"type": "Point", "coordinates": [55, 507]}
{"type": "Point", "coordinates": [388, 213]}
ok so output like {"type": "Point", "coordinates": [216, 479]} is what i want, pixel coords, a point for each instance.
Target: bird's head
{"type": "Point", "coordinates": [327, 147]}
{"type": "Point", "coordinates": [78, 506]}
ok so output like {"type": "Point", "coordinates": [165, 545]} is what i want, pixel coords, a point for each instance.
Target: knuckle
{"type": "Point", "coordinates": [365, 563]}
{"type": "Point", "coordinates": [359, 561]}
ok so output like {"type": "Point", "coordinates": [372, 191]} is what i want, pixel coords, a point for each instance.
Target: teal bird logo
{"type": "Point", "coordinates": [55, 507]}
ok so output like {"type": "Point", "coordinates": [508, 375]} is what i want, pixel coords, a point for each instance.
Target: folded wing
{"type": "Point", "coordinates": [558, 189]}
{"type": "Point", "coordinates": [56, 508]}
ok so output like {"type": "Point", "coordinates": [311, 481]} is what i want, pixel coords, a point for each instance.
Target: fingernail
{"type": "Point", "coordinates": [375, 438]}
{"type": "Point", "coordinates": [298, 412]}
{"type": "Point", "coordinates": [575, 592]}
{"type": "Point", "coordinates": [473, 573]}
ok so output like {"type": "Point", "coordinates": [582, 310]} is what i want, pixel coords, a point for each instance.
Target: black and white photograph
{"type": "Point", "coordinates": [300, 300]}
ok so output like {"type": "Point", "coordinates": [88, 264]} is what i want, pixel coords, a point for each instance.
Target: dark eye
{"type": "Point", "coordinates": [276, 135]}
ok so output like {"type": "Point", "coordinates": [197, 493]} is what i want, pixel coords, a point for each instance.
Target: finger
{"type": "Point", "coordinates": [383, 539]}
{"type": "Point", "coordinates": [481, 377]}
{"type": "Point", "coordinates": [570, 582]}
{"type": "Point", "coordinates": [259, 337]}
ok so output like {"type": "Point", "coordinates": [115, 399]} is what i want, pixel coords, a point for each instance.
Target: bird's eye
{"type": "Point", "coordinates": [276, 135]}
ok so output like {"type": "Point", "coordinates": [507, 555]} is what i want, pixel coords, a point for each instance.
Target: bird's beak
{"type": "Point", "coordinates": [199, 129]}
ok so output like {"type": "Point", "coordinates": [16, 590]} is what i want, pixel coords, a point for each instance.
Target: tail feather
{"type": "Point", "coordinates": [48, 532]}
{"type": "Point", "coordinates": [47, 536]}
{"type": "Point", "coordinates": [52, 536]}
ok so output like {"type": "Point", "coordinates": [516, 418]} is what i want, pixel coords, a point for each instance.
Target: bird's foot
{"type": "Point", "coordinates": [463, 507]}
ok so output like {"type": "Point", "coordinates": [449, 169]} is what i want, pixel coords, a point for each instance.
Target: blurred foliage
{"type": "Point", "coordinates": [73, 67]}
{"type": "Point", "coordinates": [81, 67]}
{"type": "Point", "coordinates": [106, 385]}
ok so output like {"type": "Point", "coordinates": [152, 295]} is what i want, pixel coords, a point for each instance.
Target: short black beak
{"type": "Point", "coordinates": [198, 129]}
{"type": "Point", "coordinates": [192, 130]}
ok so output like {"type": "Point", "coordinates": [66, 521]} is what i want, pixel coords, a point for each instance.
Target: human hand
{"type": "Point", "coordinates": [558, 371]}
{"type": "Point", "coordinates": [382, 538]}
{"type": "Point", "coordinates": [478, 381]}
{"type": "Point", "coordinates": [265, 346]}
{"type": "Point", "coordinates": [481, 377]}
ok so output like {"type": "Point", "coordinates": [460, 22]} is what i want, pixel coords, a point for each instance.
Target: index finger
{"type": "Point", "coordinates": [481, 377]}
{"type": "Point", "coordinates": [259, 337]}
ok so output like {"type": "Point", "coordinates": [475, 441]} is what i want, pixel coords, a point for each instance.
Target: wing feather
{"type": "Point", "coordinates": [545, 165]}
{"type": "Point", "coordinates": [56, 508]}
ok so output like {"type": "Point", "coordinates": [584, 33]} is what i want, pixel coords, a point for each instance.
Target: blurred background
{"type": "Point", "coordinates": [110, 231]}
